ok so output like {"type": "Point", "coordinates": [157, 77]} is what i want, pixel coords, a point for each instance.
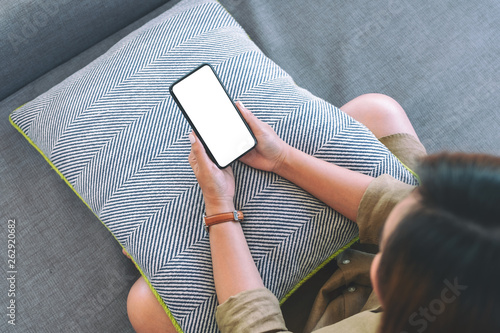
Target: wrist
{"type": "Point", "coordinates": [213, 220]}
{"type": "Point", "coordinates": [225, 228]}
{"type": "Point", "coordinates": [213, 208]}
{"type": "Point", "coordinates": [283, 162]}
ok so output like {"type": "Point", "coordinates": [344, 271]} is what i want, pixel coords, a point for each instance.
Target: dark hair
{"type": "Point", "coordinates": [440, 268]}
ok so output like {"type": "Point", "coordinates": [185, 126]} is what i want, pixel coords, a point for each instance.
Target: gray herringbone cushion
{"type": "Point", "coordinates": [114, 133]}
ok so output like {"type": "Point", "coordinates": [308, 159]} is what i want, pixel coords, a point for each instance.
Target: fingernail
{"type": "Point", "coordinates": [192, 138]}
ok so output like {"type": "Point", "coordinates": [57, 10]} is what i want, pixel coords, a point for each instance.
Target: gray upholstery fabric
{"type": "Point", "coordinates": [39, 35]}
{"type": "Point", "coordinates": [72, 276]}
{"type": "Point", "coordinates": [439, 59]}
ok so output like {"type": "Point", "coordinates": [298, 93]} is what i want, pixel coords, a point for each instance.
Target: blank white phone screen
{"type": "Point", "coordinates": [213, 115]}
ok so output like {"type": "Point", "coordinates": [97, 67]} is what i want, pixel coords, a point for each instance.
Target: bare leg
{"type": "Point", "coordinates": [380, 113]}
{"type": "Point", "coordinates": [145, 312]}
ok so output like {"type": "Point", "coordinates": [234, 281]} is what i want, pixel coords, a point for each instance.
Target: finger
{"type": "Point", "coordinates": [199, 155]}
{"type": "Point", "coordinates": [243, 109]}
{"type": "Point", "coordinates": [192, 160]}
{"type": "Point", "coordinates": [257, 126]}
{"type": "Point", "coordinates": [247, 114]}
{"type": "Point", "coordinates": [192, 156]}
{"type": "Point", "coordinates": [126, 253]}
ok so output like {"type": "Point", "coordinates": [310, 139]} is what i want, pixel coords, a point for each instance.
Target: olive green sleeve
{"type": "Point", "coordinates": [255, 310]}
{"type": "Point", "coordinates": [383, 193]}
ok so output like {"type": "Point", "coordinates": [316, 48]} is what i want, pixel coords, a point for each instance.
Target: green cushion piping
{"type": "Point", "coordinates": [411, 171]}
{"type": "Point", "coordinates": [158, 297]}
{"type": "Point", "coordinates": [330, 258]}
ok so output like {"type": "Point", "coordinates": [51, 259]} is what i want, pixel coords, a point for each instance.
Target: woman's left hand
{"type": "Point", "coordinates": [216, 184]}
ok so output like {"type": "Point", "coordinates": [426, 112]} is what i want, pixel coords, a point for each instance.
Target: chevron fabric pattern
{"type": "Point", "coordinates": [115, 134]}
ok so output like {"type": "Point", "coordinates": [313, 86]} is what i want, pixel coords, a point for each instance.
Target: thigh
{"type": "Point", "coordinates": [145, 313]}
{"type": "Point", "coordinates": [381, 114]}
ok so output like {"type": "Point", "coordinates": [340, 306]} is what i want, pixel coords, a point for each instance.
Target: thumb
{"type": "Point", "coordinates": [248, 115]}
{"type": "Point", "coordinates": [258, 127]}
{"type": "Point", "coordinates": [198, 154]}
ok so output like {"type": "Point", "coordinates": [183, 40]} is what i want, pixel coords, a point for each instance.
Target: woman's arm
{"type": "Point", "coordinates": [234, 270]}
{"type": "Point", "coordinates": [233, 266]}
{"type": "Point", "coordinates": [338, 187]}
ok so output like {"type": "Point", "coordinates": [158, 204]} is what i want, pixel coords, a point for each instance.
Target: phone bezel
{"type": "Point", "coordinates": [179, 104]}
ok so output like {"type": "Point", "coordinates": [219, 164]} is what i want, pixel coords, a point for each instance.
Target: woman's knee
{"type": "Point", "coordinates": [145, 313]}
{"type": "Point", "coordinates": [380, 113]}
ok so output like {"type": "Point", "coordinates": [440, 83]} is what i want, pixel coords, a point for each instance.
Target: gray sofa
{"type": "Point", "coordinates": [439, 59]}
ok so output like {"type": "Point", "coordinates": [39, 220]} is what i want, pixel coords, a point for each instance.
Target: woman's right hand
{"type": "Point", "coordinates": [270, 151]}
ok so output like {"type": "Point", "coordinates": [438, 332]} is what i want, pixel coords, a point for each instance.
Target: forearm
{"type": "Point", "coordinates": [233, 267]}
{"type": "Point", "coordinates": [338, 187]}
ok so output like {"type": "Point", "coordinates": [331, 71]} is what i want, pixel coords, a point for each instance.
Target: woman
{"type": "Point", "coordinates": [247, 306]}
{"type": "Point", "coordinates": [438, 267]}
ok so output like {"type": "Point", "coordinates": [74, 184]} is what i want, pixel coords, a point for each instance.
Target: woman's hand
{"type": "Point", "coordinates": [270, 151]}
{"type": "Point", "coordinates": [216, 184]}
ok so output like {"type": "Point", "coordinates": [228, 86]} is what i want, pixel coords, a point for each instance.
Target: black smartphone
{"type": "Point", "coordinates": [213, 116]}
